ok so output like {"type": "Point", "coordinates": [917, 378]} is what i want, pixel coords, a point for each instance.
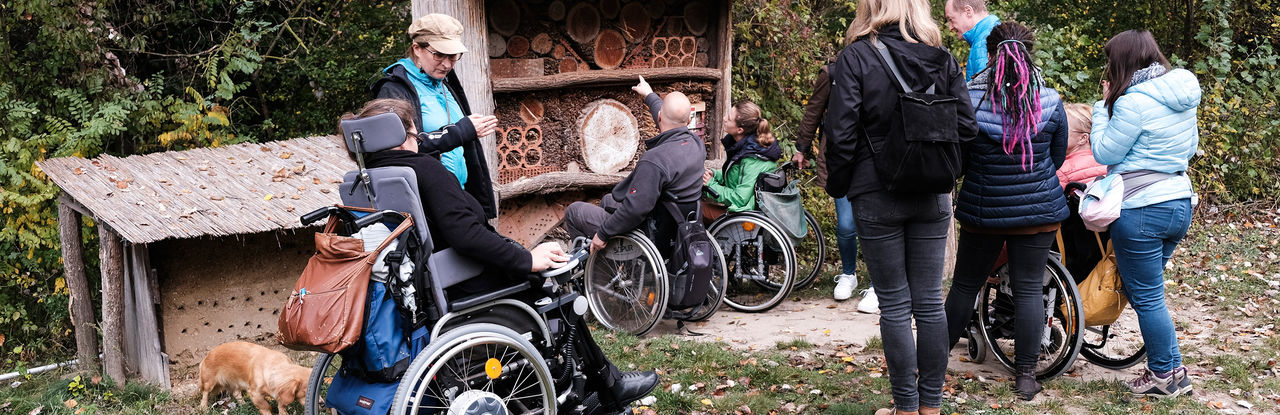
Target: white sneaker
{"type": "Point", "coordinates": [845, 284]}
{"type": "Point", "coordinates": [869, 304]}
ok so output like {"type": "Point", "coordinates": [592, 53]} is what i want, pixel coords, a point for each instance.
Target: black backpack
{"type": "Point", "coordinates": [693, 259]}
{"type": "Point", "coordinates": [928, 157]}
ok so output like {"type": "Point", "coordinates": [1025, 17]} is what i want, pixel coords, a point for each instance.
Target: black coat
{"type": "Point", "coordinates": [396, 84]}
{"type": "Point", "coordinates": [864, 97]}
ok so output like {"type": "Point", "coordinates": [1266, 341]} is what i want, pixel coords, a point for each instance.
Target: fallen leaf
{"type": "Point", "coordinates": [122, 184]}
{"type": "Point", "coordinates": [268, 196]}
{"type": "Point", "coordinates": [286, 155]}
{"type": "Point", "coordinates": [70, 403]}
{"type": "Point", "coordinates": [315, 180]}
{"type": "Point", "coordinates": [215, 197]}
{"type": "Point", "coordinates": [78, 171]}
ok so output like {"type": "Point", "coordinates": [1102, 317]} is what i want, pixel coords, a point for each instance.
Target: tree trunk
{"type": "Point", "coordinates": [531, 111]}
{"type": "Point", "coordinates": [635, 21]}
{"type": "Point", "coordinates": [610, 136]}
{"type": "Point", "coordinates": [696, 16]}
{"type": "Point", "coordinates": [555, 10]}
{"type": "Point", "coordinates": [541, 44]}
{"type": "Point", "coordinates": [603, 78]}
{"type": "Point", "coordinates": [111, 257]}
{"type": "Point", "coordinates": [609, 49]}
{"type": "Point", "coordinates": [506, 22]}
{"type": "Point", "coordinates": [497, 45]}
{"type": "Point", "coordinates": [609, 8]}
{"type": "Point", "coordinates": [78, 284]}
{"type": "Point", "coordinates": [518, 46]}
{"type": "Point", "coordinates": [547, 183]}
{"type": "Point", "coordinates": [583, 23]}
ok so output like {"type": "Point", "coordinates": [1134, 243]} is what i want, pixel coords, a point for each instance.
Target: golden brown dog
{"type": "Point", "coordinates": [242, 366]}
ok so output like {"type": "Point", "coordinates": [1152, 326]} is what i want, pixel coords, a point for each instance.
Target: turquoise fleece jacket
{"type": "Point", "coordinates": [1152, 127]}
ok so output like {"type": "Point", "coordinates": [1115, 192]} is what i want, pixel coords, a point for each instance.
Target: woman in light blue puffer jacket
{"type": "Point", "coordinates": [1145, 130]}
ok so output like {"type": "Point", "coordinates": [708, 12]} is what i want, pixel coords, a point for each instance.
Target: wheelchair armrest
{"type": "Point", "coordinates": [449, 268]}
{"type": "Point", "coordinates": [475, 300]}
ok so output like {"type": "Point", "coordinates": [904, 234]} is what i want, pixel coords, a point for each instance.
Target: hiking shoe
{"type": "Point", "coordinates": [845, 284]}
{"type": "Point", "coordinates": [1184, 380]}
{"type": "Point", "coordinates": [1153, 385]}
{"type": "Point", "coordinates": [869, 304]}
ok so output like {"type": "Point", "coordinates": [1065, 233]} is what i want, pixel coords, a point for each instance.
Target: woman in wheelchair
{"type": "Point", "coordinates": [457, 220]}
{"type": "Point", "coordinates": [750, 149]}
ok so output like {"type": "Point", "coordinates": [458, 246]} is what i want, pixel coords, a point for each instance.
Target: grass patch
{"type": "Point", "coordinates": [795, 344]}
{"type": "Point", "coordinates": [875, 344]}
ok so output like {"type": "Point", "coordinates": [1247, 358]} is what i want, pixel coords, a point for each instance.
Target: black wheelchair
{"type": "Point", "coordinates": [501, 352]}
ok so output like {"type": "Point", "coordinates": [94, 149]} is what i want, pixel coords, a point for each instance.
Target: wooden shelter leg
{"type": "Point", "coordinates": [82, 317]}
{"type": "Point", "coordinates": [152, 364]}
{"type": "Point", "coordinates": [112, 261]}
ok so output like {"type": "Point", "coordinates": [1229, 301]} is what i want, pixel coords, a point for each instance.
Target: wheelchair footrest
{"type": "Point", "coordinates": [475, 300]}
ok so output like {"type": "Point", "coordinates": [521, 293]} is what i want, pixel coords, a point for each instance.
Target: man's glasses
{"type": "Point", "coordinates": [454, 57]}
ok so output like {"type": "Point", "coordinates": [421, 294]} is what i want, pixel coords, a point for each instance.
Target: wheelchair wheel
{"type": "Point", "coordinates": [322, 373]}
{"type": "Point", "coordinates": [1064, 320]}
{"type": "Point", "coordinates": [811, 253]}
{"type": "Point", "coordinates": [1116, 346]}
{"type": "Point", "coordinates": [715, 297]}
{"type": "Point", "coordinates": [760, 261]}
{"type": "Point", "coordinates": [626, 284]}
{"type": "Point", "coordinates": [481, 366]}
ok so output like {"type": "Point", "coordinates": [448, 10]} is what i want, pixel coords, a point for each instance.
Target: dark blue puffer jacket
{"type": "Point", "coordinates": [997, 192]}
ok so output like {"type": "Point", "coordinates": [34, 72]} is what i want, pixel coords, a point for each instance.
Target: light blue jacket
{"type": "Point", "coordinates": [1152, 127]}
{"type": "Point", "coordinates": [977, 38]}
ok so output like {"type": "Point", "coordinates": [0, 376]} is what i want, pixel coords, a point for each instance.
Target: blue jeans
{"type": "Point", "coordinates": [846, 236]}
{"type": "Point", "coordinates": [1144, 239]}
{"type": "Point", "coordinates": [905, 238]}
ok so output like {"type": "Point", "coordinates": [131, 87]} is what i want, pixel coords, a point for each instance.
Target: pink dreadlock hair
{"type": "Point", "coordinates": [1014, 87]}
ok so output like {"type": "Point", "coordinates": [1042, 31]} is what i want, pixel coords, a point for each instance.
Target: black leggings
{"type": "Point", "coordinates": [975, 257]}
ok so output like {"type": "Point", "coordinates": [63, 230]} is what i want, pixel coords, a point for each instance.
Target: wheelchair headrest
{"type": "Point", "coordinates": [379, 132]}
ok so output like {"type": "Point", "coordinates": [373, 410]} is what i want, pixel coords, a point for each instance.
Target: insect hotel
{"type": "Point", "coordinates": [201, 247]}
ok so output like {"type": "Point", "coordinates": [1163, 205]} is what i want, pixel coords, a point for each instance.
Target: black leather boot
{"type": "Point", "coordinates": [628, 387]}
{"type": "Point", "coordinates": [1026, 384]}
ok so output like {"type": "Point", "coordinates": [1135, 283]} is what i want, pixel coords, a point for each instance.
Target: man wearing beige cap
{"type": "Point", "coordinates": [425, 78]}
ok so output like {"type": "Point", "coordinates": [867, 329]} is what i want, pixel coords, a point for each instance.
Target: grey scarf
{"type": "Point", "coordinates": [1147, 74]}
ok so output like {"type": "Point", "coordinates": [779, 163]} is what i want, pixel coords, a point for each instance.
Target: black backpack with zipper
{"type": "Point", "coordinates": [927, 158]}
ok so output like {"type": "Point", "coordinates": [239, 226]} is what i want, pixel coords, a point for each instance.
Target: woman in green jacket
{"type": "Point", "coordinates": [750, 149]}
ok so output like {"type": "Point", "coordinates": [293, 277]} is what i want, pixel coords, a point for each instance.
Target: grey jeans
{"type": "Point", "coordinates": [904, 242]}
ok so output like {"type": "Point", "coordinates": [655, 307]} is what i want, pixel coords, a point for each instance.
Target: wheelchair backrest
{"type": "Point", "coordinates": [396, 188]}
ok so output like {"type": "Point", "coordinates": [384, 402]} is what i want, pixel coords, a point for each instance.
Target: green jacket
{"type": "Point", "coordinates": [737, 185]}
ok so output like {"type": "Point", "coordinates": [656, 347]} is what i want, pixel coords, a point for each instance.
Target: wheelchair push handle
{"type": "Point", "coordinates": [711, 191]}
{"type": "Point", "coordinates": [324, 212]}
{"type": "Point", "coordinates": [379, 216]}
{"type": "Point", "coordinates": [575, 258]}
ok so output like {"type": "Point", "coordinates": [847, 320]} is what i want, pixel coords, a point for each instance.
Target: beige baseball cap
{"type": "Point", "coordinates": [441, 31]}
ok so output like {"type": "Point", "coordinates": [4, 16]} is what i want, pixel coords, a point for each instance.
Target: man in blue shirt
{"type": "Point", "coordinates": [969, 19]}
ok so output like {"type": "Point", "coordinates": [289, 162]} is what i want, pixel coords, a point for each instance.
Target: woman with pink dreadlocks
{"type": "Point", "coordinates": [1010, 196]}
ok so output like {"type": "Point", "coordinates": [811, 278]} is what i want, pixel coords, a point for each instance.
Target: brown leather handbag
{"type": "Point", "coordinates": [325, 312]}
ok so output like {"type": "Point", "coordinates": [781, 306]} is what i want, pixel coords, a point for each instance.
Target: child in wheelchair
{"type": "Point", "coordinates": [456, 220]}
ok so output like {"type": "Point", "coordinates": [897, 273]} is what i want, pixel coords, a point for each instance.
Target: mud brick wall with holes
{"type": "Point", "coordinates": [213, 291]}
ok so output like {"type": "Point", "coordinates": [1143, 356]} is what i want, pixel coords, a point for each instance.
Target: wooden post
{"type": "Point", "coordinates": [112, 261]}
{"type": "Point", "coordinates": [473, 70]}
{"type": "Point", "coordinates": [724, 89]}
{"type": "Point", "coordinates": [152, 364]}
{"type": "Point", "coordinates": [78, 284]}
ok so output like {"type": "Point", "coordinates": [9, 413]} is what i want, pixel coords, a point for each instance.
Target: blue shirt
{"type": "Point", "coordinates": [438, 108]}
{"type": "Point", "coordinates": [977, 38]}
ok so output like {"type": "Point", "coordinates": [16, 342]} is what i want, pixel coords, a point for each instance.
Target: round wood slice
{"type": "Point", "coordinates": [610, 136]}
{"type": "Point", "coordinates": [555, 10]}
{"type": "Point", "coordinates": [531, 111]}
{"type": "Point", "coordinates": [635, 21]}
{"type": "Point", "coordinates": [583, 23]}
{"type": "Point", "coordinates": [659, 47]}
{"type": "Point", "coordinates": [508, 21]}
{"type": "Point", "coordinates": [497, 45]}
{"type": "Point", "coordinates": [701, 60]}
{"type": "Point", "coordinates": [557, 52]}
{"type": "Point", "coordinates": [696, 16]}
{"type": "Point", "coordinates": [609, 8]}
{"type": "Point", "coordinates": [658, 62]}
{"type": "Point", "coordinates": [688, 45]}
{"type": "Point", "coordinates": [703, 45]}
{"type": "Point", "coordinates": [568, 65]}
{"type": "Point", "coordinates": [541, 44]}
{"type": "Point", "coordinates": [610, 49]}
{"type": "Point", "coordinates": [655, 8]}
{"type": "Point", "coordinates": [674, 26]}
{"type": "Point", "coordinates": [518, 46]}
